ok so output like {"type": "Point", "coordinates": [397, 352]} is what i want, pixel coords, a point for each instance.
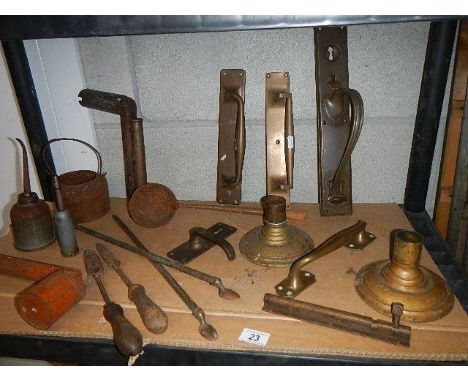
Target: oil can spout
{"type": "Point", "coordinates": [26, 182]}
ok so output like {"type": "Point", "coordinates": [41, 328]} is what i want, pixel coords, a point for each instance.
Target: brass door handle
{"type": "Point", "coordinates": [354, 237]}
{"type": "Point", "coordinates": [334, 106]}
{"type": "Point", "coordinates": [197, 234]}
{"type": "Point", "coordinates": [288, 139]}
{"type": "Point", "coordinates": [239, 144]}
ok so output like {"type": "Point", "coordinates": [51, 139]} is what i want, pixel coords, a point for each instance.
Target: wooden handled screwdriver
{"type": "Point", "coordinates": [153, 317]}
{"type": "Point", "coordinates": [127, 338]}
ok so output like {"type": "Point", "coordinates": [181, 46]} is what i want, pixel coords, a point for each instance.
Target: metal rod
{"type": "Point", "coordinates": [23, 83]}
{"type": "Point", "coordinates": [338, 319]}
{"type": "Point", "coordinates": [431, 97]}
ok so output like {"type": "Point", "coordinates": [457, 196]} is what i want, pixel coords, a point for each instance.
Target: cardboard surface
{"type": "Point", "coordinates": [444, 339]}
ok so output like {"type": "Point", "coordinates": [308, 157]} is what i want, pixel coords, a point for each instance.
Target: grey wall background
{"type": "Point", "coordinates": [175, 82]}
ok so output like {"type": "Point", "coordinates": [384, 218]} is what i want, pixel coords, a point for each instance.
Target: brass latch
{"type": "Point", "coordinates": [231, 138]}
{"type": "Point", "coordinates": [279, 131]}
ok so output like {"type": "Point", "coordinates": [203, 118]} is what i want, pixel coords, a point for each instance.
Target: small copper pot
{"type": "Point", "coordinates": [85, 193]}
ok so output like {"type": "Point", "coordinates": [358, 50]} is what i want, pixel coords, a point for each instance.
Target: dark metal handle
{"type": "Point", "coordinates": [126, 108]}
{"type": "Point", "coordinates": [105, 101]}
{"type": "Point", "coordinates": [334, 109]}
{"type": "Point", "coordinates": [43, 153]}
{"type": "Point", "coordinates": [239, 144]}
{"type": "Point", "coordinates": [197, 233]}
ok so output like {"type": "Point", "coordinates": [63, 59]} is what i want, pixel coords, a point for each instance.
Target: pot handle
{"type": "Point", "coordinates": [49, 170]}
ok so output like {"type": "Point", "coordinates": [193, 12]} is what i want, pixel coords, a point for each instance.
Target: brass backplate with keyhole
{"type": "Point", "coordinates": [333, 131]}
{"type": "Point", "coordinates": [232, 83]}
{"type": "Point", "coordinates": [276, 83]}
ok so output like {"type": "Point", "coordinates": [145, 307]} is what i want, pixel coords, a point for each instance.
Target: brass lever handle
{"type": "Point", "coordinates": [334, 109]}
{"type": "Point", "coordinates": [239, 144]}
{"type": "Point", "coordinates": [354, 237]}
{"type": "Point", "coordinates": [198, 233]}
{"type": "Point", "coordinates": [288, 139]}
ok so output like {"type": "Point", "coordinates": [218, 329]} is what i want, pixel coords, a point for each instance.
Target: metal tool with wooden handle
{"type": "Point", "coordinates": [153, 317]}
{"type": "Point", "coordinates": [205, 329]}
{"type": "Point", "coordinates": [127, 338]}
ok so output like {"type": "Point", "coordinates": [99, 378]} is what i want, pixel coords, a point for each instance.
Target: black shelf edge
{"type": "Point", "coordinates": [38, 27]}
{"type": "Point", "coordinates": [441, 253]}
{"type": "Point", "coordinates": [87, 351]}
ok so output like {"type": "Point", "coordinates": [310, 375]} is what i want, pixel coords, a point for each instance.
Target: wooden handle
{"type": "Point", "coordinates": [152, 315]}
{"type": "Point", "coordinates": [290, 214]}
{"type": "Point", "coordinates": [127, 338]}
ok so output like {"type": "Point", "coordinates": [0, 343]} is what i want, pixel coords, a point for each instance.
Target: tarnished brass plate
{"type": "Point", "coordinates": [231, 81]}
{"type": "Point", "coordinates": [331, 73]}
{"type": "Point", "coordinates": [276, 175]}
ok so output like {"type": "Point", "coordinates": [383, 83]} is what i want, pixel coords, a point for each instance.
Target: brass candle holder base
{"type": "Point", "coordinates": [276, 243]}
{"type": "Point", "coordinates": [424, 294]}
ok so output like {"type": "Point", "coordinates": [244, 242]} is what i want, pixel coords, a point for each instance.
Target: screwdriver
{"type": "Point", "coordinates": [127, 338]}
{"type": "Point", "coordinates": [153, 317]}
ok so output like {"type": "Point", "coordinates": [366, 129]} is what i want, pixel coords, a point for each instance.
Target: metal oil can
{"type": "Point", "coordinates": [31, 220]}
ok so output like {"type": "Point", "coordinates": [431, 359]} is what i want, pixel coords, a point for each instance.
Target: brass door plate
{"type": "Point", "coordinates": [275, 112]}
{"type": "Point", "coordinates": [331, 73]}
{"type": "Point", "coordinates": [185, 253]}
{"type": "Point", "coordinates": [231, 81]}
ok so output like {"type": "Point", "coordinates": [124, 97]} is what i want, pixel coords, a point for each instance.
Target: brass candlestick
{"type": "Point", "coordinates": [424, 294]}
{"type": "Point", "coordinates": [275, 243]}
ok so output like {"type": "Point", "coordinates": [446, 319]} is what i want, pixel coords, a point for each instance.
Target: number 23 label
{"type": "Point", "coordinates": [254, 337]}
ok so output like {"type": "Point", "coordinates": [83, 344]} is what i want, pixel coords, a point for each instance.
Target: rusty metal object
{"type": "Point", "coordinates": [205, 329]}
{"type": "Point", "coordinates": [276, 243]}
{"type": "Point", "coordinates": [354, 323]}
{"type": "Point", "coordinates": [56, 290]}
{"type": "Point", "coordinates": [85, 193]}
{"type": "Point", "coordinates": [223, 292]}
{"type": "Point", "coordinates": [338, 130]}
{"type": "Point", "coordinates": [153, 317]}
{"type": "Point", "coordinates": [231, 138]}
{"type": "Point", "coordinates": [201, 240]}
{"type": "Point", "coordinates": [31, 221]}
{"type": "Point", "coordinates": [152, 204]}
{"type": "Point", "coordinates": [424, 294]}
{"type": "Point", "coordinates": [354, 237]}
{"type": "Point", "coordinates": [127, 338]}
{"type": "Point", "coordinates": [125, 107]}
{"type": "Point", "coordinates": [291, 214]}
{"type": "Point", "coordinates": [279, 132]}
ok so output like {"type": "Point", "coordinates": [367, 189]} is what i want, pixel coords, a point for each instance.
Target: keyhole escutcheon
{"type": "Point", "coordinates": [332, 53]}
